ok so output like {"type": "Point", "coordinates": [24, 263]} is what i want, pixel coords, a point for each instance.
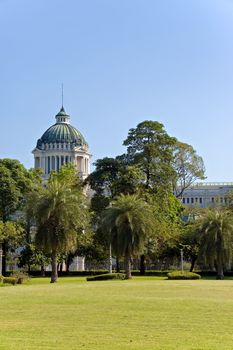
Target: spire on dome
{"type": "Point", "coordinates": [62, 95]}
{"type": "Point", "coordinates": [62, 116]}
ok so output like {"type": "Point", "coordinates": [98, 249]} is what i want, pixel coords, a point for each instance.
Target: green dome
{"type": "Point", "coordinates": [61, 132]}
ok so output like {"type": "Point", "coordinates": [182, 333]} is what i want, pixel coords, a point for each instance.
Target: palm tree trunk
{"type": "Point", "coordinates": [220, 275]}
{"type": "Point", "coordinates": [142, 265]}
{"type": "Point", "coordinates": [127, 267]}
{"type": "Point", "coordinates": [54, 274]}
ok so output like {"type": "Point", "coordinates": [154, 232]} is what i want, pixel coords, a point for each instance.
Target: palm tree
{"type": "Point", "coordinates": [61, 213]}
{"type": "Point", "coordinates": [217, 239]}
{"type": "Point", "coordinates": [128, 221]}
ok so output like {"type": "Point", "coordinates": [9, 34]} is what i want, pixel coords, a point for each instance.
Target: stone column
{"type": "Point", "coordinates": [55, 162]}
{"type": "Point", "coordinates": [82, 165]}
{"type": "Point", "coordinates": [43, 163]}
{"type": "Point", "coordinates": [46, 166]}
{"type": "Point", "coordinates": [49, 164]}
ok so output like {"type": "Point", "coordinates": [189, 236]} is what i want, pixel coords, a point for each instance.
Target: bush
{"type": "Point", "coordinates": [66, 273]}
{"type": "Point", "coordinates": [107, 276]}
{"type": "Point", "coordinates": [185, 275]}
{"type": "Point", "coordinates": [158, 273]}
{"type": "Point", "coordinates": [10, 280]}
{"type": "Point", "coordinates": [20, 276]}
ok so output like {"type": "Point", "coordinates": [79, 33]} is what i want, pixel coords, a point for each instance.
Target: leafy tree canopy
{"type": "Point", "coordinates": [62, 214]}
{"type": "Point", "coordinates": [189, 167]}
{"type": "Point", "coordinates": [150, 147]}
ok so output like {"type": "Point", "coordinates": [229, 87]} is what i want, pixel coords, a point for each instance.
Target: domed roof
{"type": "Point", "coordinates": [62, 132]}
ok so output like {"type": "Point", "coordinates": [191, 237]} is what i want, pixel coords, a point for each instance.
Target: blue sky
{"type": "Point", "coordinates": [121, 62]}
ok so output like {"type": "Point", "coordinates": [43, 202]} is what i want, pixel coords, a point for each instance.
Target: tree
{"type": "Point", "coordinates": [61, 215]}
{"type": "Point", "coordinates": [30, 256]}
{"type": "Point", "coordinates": [189, 167]}
{"type": "Point", "coordinates": [216, 230]}
{"type": "Point", "coordinates": [150, 147]}
{"type": "Point", "coordinates": [111, 177]}
{"type": "Point", "coordinates": [128, 222]}
{"type": "Point", "coordinates": [11, 232]}
{"type": "Point", "coordinates": [15, 181]}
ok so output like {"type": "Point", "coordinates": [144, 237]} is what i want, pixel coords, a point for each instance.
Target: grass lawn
{"type": "Point", "coordinates": [146, 313]}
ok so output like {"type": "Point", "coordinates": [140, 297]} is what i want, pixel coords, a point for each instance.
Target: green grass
{"type": "Point", "coordinates": [147, 313]}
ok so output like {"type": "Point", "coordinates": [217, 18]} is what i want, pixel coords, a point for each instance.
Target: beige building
{"type": "Point", "coordinates": [206, 194]}
{"type": "Point", "coordinates": [61, 144]}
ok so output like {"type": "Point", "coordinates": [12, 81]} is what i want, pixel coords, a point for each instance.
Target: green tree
{"type": "Point", "coordinates": [31, 256]}
{"type": "Point", "coordinates": [15, 181]}
{"type": "Point", "coordinates": [189, 167]}
{"type": "Point", "coordinates": [11, 232]}
{"type": "Point", "coordinates": [150, 147]}
{"type": "Point", "coordinates": [61, 215]}
{"type": "Point", "coordinates": [111, 177]}
{"type": "Point", "coordinates": [128, 222]}
{"type": "Point", "coordinates": [216, 230]}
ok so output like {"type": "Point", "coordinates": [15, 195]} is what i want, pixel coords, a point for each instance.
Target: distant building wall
{"type": "Point", "coordinates": [204, 195]}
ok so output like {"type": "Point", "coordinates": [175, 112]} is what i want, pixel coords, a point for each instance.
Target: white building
{"type": "Point", "coordinates": [61, 144]}
{"type": "Point", "coordinates": [207, 194]}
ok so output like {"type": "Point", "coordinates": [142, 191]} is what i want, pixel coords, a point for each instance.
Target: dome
{"type": "Point", "coordinates": [62, 132]}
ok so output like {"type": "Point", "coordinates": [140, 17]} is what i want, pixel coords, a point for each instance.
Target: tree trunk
{"type": "Point", "coordinates": [127, 267]}
{"type": "Point", "coordinates": [54, 274]}
{"type": "Point", "coordinates": [142, 265]}
{"type": "Point", "coordinates": [193, 260]}
{"type": "Point", "coordinates": [219, 267]}
{"type": "Point", "coordinates": [0, 259]}
{"type": "Point", "coordinates": [117, 265]}
{"type": "Point", "coordinates": [4, 249]}
{"type": "Point", "coordinates": [42, 271]}
{"type": "Point", "coordinates": [61, 267]}
{"type": "Point", "coordinates": [110, 259]}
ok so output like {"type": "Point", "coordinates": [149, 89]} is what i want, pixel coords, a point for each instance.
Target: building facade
{"type": "Point", "coordinates": [62, 144]}
{"type": "Point", "coordinates": [204, 195]}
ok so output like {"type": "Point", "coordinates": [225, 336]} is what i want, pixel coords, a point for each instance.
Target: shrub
{"type": "Point", "coordinates": [20, 276]}
{"type": "Point", "coordinates": [10, 280]}
{"type": "Point", "coordinates": [107, 276]}
{"type": "Point", "coordinates": [158, 273]}
{"type": "Point", "coordinates": [185, 275]}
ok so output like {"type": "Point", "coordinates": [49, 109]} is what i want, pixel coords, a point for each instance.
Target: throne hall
{"type": "Point", "coordinates": [61, 144]}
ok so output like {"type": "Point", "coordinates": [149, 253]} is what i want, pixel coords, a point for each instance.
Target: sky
{"type": "Point", "coordinates": [121, 62]}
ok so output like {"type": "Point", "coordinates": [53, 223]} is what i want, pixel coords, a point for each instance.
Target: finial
{"type": "Point", "coordinates": [62, 95]}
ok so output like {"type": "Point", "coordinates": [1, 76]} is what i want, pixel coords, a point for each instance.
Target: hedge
{"type": "Point", "coordinates": [10, 280]}
{"type": "Point", "coordinates": [185, 275]}
{"type": "Point", "coordinates": [107, 276]}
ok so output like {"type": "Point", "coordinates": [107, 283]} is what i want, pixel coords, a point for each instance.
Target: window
{"type": "Point", "coordinates": [200, 200]}
{"type": "Point", "coordinates": [187, 200]}
{"type": "Point", "coordinates": [183, 200]}
{"type": "Point", "coordinates": [192, 200]}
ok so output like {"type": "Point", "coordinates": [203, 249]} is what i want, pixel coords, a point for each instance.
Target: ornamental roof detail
{"type": "Point", "coordinates": [62, 132]}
